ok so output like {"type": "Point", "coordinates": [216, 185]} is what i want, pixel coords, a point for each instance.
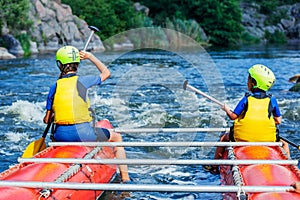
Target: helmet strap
{"type": "Point", "coordinates": [59, 65]}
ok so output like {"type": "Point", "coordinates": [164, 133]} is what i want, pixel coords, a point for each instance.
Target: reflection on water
{"type": "Point", "coordinates": [145, 90]}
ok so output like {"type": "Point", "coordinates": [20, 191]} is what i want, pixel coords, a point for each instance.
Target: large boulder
{"type": "Point", "coordinates": [4, 54]}
{"type": "Point", "coordinates": [254, 22]}
{"type": "Point", "coordinates": [13, 45]}
{"type": "Point", "coordinates": [55, 26]}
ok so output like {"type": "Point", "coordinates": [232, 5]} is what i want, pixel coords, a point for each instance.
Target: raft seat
{"type": "Point", "coordinates": [67, 152]}
{"type": "Point", "coordinates": [275, 196]}
{"type": "Point", "coordinates": [259, 153]}
{"type": "Point", "coordinates": [267, 174]}
{"type": "Point", "coordinates": [37, 172]}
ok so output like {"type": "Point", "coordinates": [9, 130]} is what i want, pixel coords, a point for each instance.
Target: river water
{"type": "Point", "coordinates": [145, 90]}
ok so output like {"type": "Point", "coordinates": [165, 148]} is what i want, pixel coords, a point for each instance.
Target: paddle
{"type": "Point", "coordinates": [186, 85]}
{"type": "Point", "coordinates": [93, 29]}
{"type": "Point", "coordinates": [290, 142]}
{"type": "Point", "coordinates": [39, 145]}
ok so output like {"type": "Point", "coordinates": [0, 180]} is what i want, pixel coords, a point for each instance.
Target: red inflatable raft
{"type": "Point", "coordinates": [61, 173]}
{"type": "Point", "coordinates": [260, 174]}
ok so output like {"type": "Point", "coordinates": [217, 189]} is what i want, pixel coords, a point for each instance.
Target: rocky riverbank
{"type": "Point", "coordinates": [54, 25]}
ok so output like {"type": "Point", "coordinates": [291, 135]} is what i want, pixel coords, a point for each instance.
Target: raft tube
{"type": "Point", "coordinates": [261, 174]}
{"type": "Point", "coordinates": [58, 172]}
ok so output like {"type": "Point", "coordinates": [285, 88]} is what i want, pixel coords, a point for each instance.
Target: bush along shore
{"type": "Point", "coordinates": [42, 26]}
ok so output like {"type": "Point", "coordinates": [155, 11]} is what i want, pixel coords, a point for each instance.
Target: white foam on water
{"type": "Point", "coordinates": [14, 137]}
{"type": "Point", "coordinates": [284, 102]}
{"type": "Point", "coordinates": [12, 142]}
{"type": "Point", "coordinates": [6, 153]}
{"type": "Point", "coordinates": [26, 111]}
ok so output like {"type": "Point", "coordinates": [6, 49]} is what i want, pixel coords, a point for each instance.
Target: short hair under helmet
{"type": "Point", "coordinates": [67, 54]}
{"type": "Point", "coordinates": [263, 76]}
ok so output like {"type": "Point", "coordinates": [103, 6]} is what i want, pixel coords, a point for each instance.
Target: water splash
{"type": "Point", "coordinates": [25, 111]}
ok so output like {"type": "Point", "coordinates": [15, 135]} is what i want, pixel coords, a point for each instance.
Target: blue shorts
{"type": "Point", "coordinates": [82, 132]}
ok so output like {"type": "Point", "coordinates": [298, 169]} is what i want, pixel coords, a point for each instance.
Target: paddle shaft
{"type": "Point", "coordinates": [46, 130]}
{"type": "Point", "coordinates": [290, 142]}
{"type": "Point", "coordinates": [186, 85]}
{"type": "Point", "coordinates": [94, 29]}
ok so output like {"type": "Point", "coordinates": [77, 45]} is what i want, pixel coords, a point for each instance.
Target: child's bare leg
{"type": "Point", "coordinates": [220, 150]}
{"type": "Point", "coordinates": [120, 154]}
{"type": "Point", "coordinates": [285, 146]}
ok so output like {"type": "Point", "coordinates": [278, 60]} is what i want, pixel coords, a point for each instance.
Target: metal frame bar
{"type": "Point", "coordinates": [155, 161]}
{"type": "Point", "coordinates": [168, 130]}
{"type": "Point", "coordinates": [144, 187]}
{"type": "Point", "coordinates": [165, 144]}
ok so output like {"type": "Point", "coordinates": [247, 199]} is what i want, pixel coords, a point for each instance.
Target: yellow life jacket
{"type": "Point", "coordinates": [68, 106]}
{"type": "Point", "coordinates": [255, 125]}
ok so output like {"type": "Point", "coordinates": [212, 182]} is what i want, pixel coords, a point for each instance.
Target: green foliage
{"type": "Point", "coordinates": [188, 27]}
{"type": "Point", "coordinates": [275, 17]}
{"type": "Point", "coordinates": [277, 37]}
{"type": "Point", "coordinates": [24, 39]}
{"type": "Point", "coordinates": [160, 10]}
{"type": "Point", "coordinates": [267, 6]}
{"type": "Point", "coordinates": [221, 20]}
{"type": "Point", "coordinates": [111, 17]}
{"type": "Point", "coordinates": [15, 14]}
{"type": "Point", "coordinates": [246, 39]}
{"type": "Point", "coordinates": [2, 44]}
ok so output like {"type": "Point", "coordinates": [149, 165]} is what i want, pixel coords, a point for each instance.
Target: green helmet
{"type": "Point", "coordinates": [67, 54]}
{"type": "Point", "coordinates": [263, 76]}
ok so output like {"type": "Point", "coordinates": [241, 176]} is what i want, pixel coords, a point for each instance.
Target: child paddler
{"type": "Point", "coordinates": [255, 116]}
{"type": "Point", "coordinates": [68, 102]}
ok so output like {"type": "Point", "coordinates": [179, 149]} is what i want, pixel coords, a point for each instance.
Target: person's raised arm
{"type": "Point", "coordinates": [105, 73]}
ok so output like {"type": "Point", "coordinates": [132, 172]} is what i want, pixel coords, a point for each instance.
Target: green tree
{"type": "Point", "coordinates": [111, 17]}
{"type": "Point", "coordinates": [15, 14]}
{"type": "Point", "coordinates": [160, 10]}
{"type": "Point", "coordinates": [221, 20]}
